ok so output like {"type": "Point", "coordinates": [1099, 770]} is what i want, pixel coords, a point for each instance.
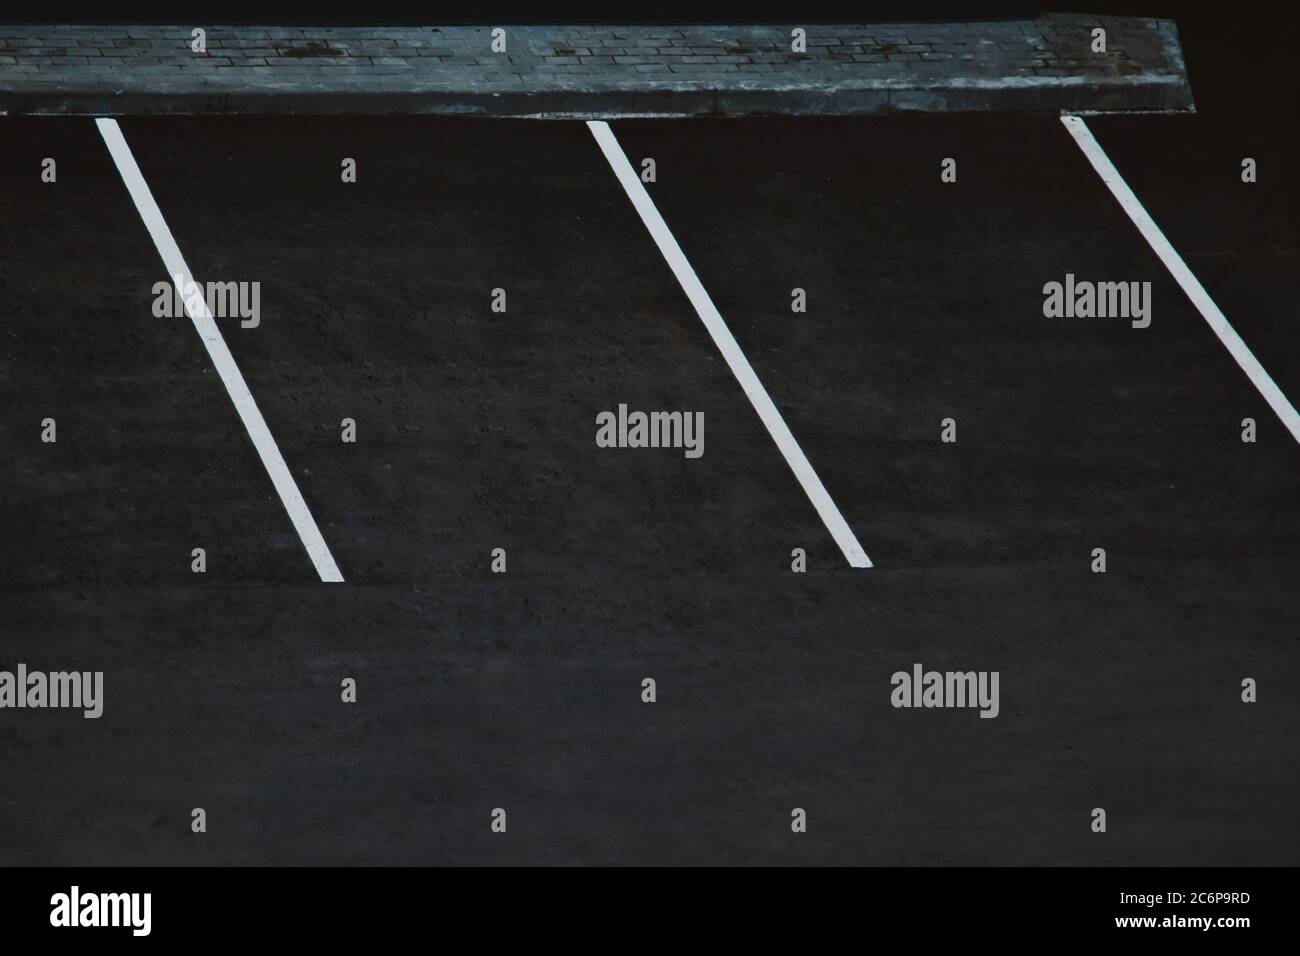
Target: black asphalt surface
{"type": "Point", "coordinates": [476, 431]}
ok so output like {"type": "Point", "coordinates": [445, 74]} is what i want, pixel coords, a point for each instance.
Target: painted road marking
{"type": "Point", "coordinates": [1178, 269]}
{"type": "Point", "coordinates": [727, 345]}
{"type": "Point", "coordinates": [222, 360]}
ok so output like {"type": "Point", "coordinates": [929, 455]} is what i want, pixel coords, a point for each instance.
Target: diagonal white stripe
{"type": "Point", "coordinates": [222, 360]}
{"type": "Point", "coordinates": [728, 346]}
{"type": "Point", "coordinates": [1183, 275]}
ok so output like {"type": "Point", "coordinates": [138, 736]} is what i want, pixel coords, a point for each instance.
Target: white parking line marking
{"type": "Point", "coordinates": [1178, 269]}
{"type": "Point", "coordinates": [222, 360]}
{"type": "Point", "coordinates": [727, 345]}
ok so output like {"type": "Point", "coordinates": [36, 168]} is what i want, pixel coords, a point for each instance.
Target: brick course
{"type": "Point", "coordinates": [1043, 64]}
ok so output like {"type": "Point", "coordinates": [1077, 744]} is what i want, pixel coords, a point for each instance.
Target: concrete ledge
{"type": "Point", "coordinates": [1044, 65]}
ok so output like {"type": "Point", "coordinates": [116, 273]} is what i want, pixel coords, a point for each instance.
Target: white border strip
{"type": "Point", "coordinates": [1178, 269]}
{"type": "Point", "coordinates": [220, 354]}
{"type": "Point", "coordinates": [727, 345]}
